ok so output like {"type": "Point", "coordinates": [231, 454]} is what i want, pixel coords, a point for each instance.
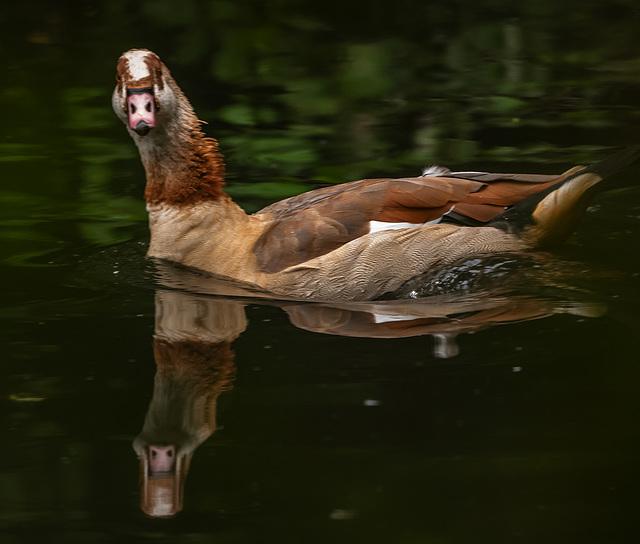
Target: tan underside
{"type": "Point", "coordinates": [218, 237]}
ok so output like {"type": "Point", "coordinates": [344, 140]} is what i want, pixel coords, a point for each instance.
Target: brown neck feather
{"type": "Point", "coordinates": [188, 171]}
{"type": "Point", "coordinates": [206, 366]}
{"type": "Point", "coordinates": [183, 166]}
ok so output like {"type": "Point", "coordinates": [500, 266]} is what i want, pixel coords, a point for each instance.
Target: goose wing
{"type": "Point", "coordinates": [317, 222]}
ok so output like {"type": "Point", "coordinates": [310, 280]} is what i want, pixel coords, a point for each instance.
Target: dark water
{"type": "Point", "coordinates": [505, 412]}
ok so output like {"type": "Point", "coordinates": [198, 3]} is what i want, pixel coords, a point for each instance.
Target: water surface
{"type": "Point", "coordinates": [508, 413]}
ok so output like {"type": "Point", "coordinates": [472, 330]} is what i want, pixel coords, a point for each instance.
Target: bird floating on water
{"type": "Point", "coordinates": [353, 241]}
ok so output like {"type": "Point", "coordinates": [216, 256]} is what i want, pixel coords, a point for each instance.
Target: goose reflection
{"type": "Point", "coordinates": [197, 321]}
{"type": "Point", "coordinates": [441, 318]}
{"type": "Point", "coordinates": [195, 363]}
{"type": "Point", "coordinates": [495, 296]}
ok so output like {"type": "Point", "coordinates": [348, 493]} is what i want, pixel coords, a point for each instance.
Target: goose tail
{"type": "Point", "coordinates": [548, 217]}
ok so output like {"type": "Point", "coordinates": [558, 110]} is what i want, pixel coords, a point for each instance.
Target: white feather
{"type": "Point", "coordinates": [389, 318]}
{"type": "Point", "coordinates": [435, 170]}
{"type": "Point", "coordinates": [378, 226]}
{"type": "Point", "coordinates": [137, 66]}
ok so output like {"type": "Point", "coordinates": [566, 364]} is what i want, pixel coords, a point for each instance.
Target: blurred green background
{"type": "Point", "coordinates": [304, 93]}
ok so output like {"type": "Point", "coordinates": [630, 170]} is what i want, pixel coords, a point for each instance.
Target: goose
{"type": "Point", "coordinates": [354, 241]}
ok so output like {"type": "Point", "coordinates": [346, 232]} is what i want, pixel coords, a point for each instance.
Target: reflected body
{"type": "Point", "coordinates": [195, 362]}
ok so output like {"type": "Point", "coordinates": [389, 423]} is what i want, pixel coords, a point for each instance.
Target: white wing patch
{"type": "Point", "coordinates": [377, 226]}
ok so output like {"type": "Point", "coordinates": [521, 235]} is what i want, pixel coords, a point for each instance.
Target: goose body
{"type": "Point", "coordinates": [354, 241]}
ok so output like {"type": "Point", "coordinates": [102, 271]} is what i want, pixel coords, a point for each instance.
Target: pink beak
{"type": "Point", "coordinates": [141, 108]}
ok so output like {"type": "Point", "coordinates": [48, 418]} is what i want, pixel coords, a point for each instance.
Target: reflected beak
{"type": "Point", "coordinates": [162, 460]}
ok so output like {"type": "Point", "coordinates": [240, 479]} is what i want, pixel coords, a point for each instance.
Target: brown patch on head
{"type": "Point", "coordinates": [154, 66]}
{"type": "Point", "coordinates": [122, 70]}
{"type": "Point", "coordinates": [122, 74]}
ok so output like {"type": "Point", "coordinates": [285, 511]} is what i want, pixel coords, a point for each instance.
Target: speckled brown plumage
{"type": "Point", "coordinates": [313, 224]}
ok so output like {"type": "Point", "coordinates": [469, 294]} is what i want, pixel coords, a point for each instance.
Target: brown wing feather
{"type": "Point", "coordinates": [315, 223]}
{"type": "Point", "coordinates": [289, 206]}
{"type": "Point", "coordinates": [502, 191]}
{"type": "Point", "coordinates": [488, 177]}
{"type": "Point", "coordinates": [419, 200]}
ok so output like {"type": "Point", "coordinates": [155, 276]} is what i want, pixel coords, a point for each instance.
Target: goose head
{"type": "Point", "coordinates": [146, 97]}
{"type": "Point", "coordinates": [182, 165]}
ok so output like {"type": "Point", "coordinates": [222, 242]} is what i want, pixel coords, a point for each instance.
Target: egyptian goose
{"type": "Point", "coordinates": [355, 241]}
